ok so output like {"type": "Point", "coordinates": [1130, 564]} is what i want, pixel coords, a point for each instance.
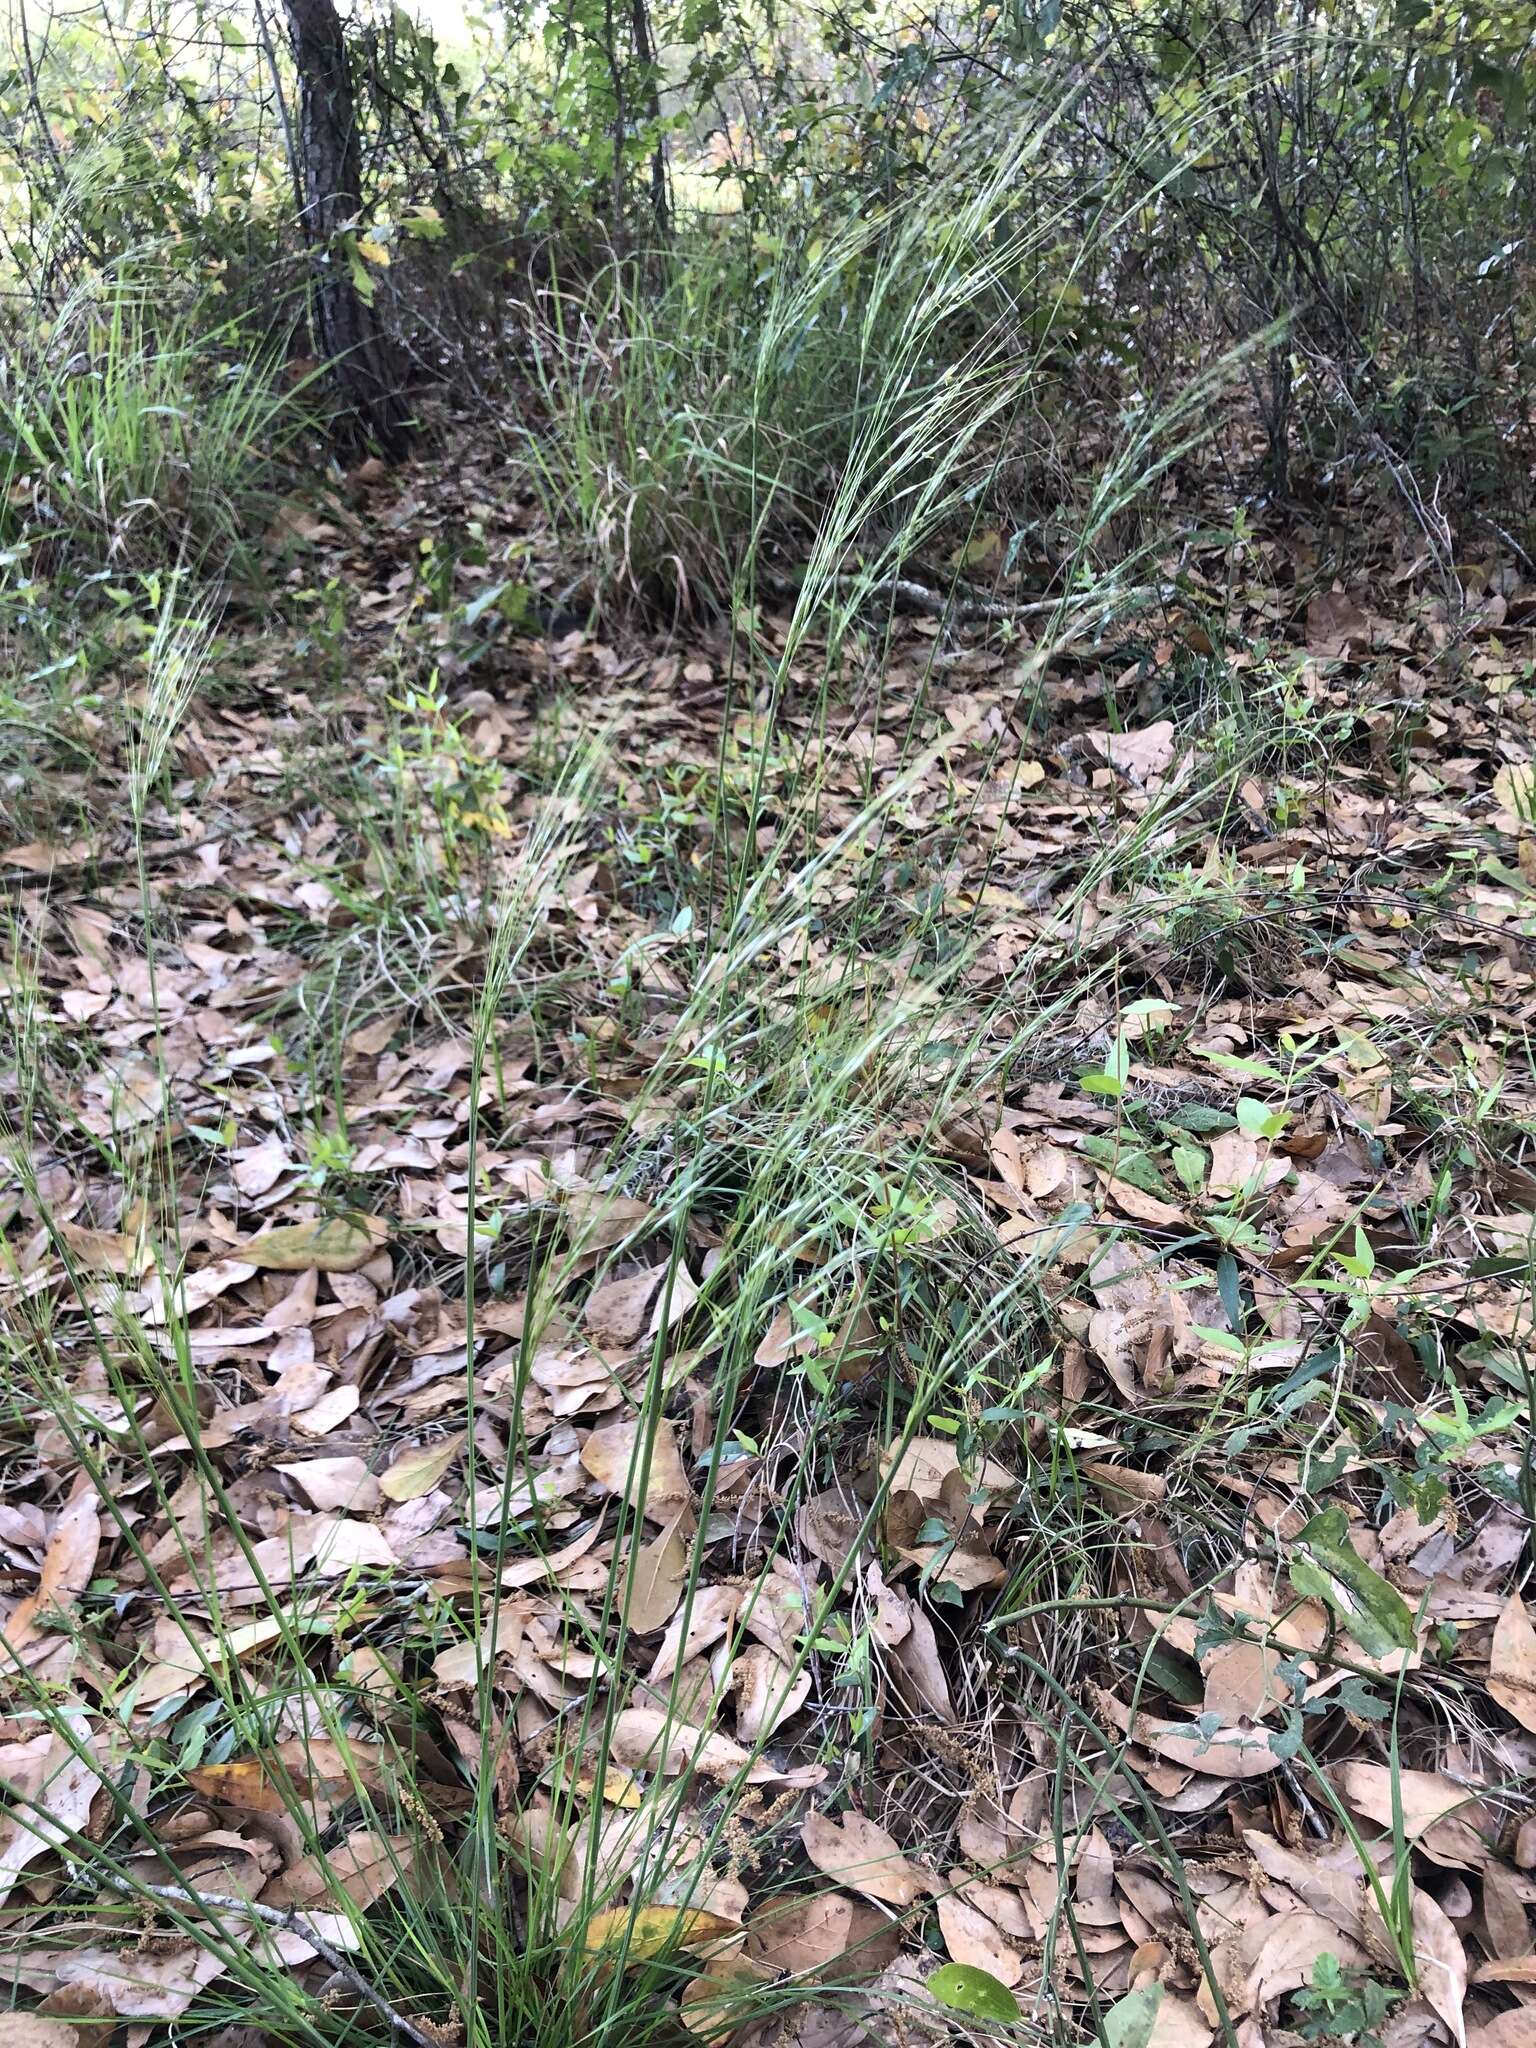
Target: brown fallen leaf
{"type": "Point", "coordinates": [1336, 626]}
{"type": "Point", "coordinates": [804, 1934]}
{"type": "Point", "coordinates": [362, 1868]}
{"type": "Point", "coordinates": [706, 1619]}
{"type": "Point", "coordinates": [927, 1463]}
{"type": "Point", "coordinates": [1273, 1956]}
{"type": "Point", "coordinates": [332, 1409]}
{"type": "Point", "coordinates": [677, 1296]}
{"type": "Point", "coordinates": [462, 1663]}
{"type": "Point", "coordinates": [990, 1836]}
{"type": "Point", "coordinates": [1504, 1916]}
{"type": "Point", "coordinates": [1178, 2023]}
{"type": "Point", "coordinates": [260, 1167]}
{"type": "Point", "coordinates": [615, 1456]}
{"type": "Point", "coordinates": [654, 1579]}
{"type": "Point", "coordinates": [105, 1251]}
{"type": "Point", "coordinates": [984, 1926]}
{"type": "Point", "coordinates": [854, 1851]}
{"type": "Point", "coordinates": [1138, 755]}
{"type": "Point", "coordinates": [1235, 1753]}
{"type": "Point", "coordinates": [597, 1218]}
{"type": "Point", "coordinates": [971, 1938]}
{"type": "Point", "coordinates": [221, 1861]}
{"type": "Point", "coordinates": [765, 1693]}
{"type": "Point", "coordinates": [617, 1311]}
{"type": "Point", "coordinates": [828, 1524]}
{"type": "Point", "coordinates": [331, 1483]}
{"type": "Point", "coordinates": [916, 1668]}
{"type": "Point", "coordinates": [1242, 1682]}
{"type": "Point", "coordinates": [268, 1783]}
{"type": "Point", "coordinates": [36, 2030]}
{"type": "Point", "coordinates": [128, 1983]}
{"type": "Point", "coordinates": [1328, 1879]}
{"type": "Point", "coordinates": [336, 1546]}
{"type": "Point", "coordinates": [713, 2005]}
{"type": "Point", "coordinates": [1512, 1663]}
{"type": "Point", "coordinates": [1515, 2029]}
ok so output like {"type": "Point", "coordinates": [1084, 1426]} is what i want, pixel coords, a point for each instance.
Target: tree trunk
{"type": "Point", "coordinates": [645, 54]}
{"type": "Point", "coordinates": [347, 330]}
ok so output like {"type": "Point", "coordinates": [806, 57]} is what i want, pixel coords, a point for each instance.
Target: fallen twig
{"type": "Point", "coordinates": [918, 597]}
{"type": "Point", "coordinates": [292, 1922]}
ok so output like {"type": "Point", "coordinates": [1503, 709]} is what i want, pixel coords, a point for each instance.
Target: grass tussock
{"type": "Point", "coordinates": [136, 436]}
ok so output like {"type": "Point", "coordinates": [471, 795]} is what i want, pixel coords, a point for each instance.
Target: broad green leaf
{"type": "Point", "coordinates": [1258, 1119]}
{"type": "Point", "coordinates": [1102, 1084]}
{"type": "Point", "coordinates": [1189, 1164]}
{"type": "Point", "coordinates": [1363, 1263]}
{"type": "Point", "coordinates": [1376, 1614]}
{"type": "Point", "coordinates": [1130, 2020]}
{"type": "Point", "coordinates": [973, 1991]}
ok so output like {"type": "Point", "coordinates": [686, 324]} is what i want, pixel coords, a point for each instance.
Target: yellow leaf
{"type": "Point", "coordinates": [1514, 789]}
{"type": "Point", "coordinates": [331, 1244]}
{"type": "Point", "coordinates": [649, 1931]}
{"type": "Point", "coordinates": [418, 1471]}
{"type": "Point", "coordinates": [374, 252]}
{"type": "Point", "coordinates": [620, 1787]}
{"type": "Point", "coordinates": [978, 549]}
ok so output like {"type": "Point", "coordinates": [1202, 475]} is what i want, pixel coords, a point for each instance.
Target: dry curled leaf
{"type": "Point", "coordinates": [50, 1787]}
{"type": "Point", "coordinates": [67, 1566]}
{"type": "Point", "coordinates": [1438, 1815]}
{"type": "Point", "coordinates": [649, 1739]}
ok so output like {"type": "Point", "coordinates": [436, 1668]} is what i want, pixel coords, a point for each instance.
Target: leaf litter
{"type": "Point", "coordinates": [1259, 1707]}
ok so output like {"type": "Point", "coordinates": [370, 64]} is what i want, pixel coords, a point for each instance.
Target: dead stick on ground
{"type": "Point", "coordinates": [912, 596]}
{"type": "Point", "coordinates": [291, 1922]}
{"type": "Point", "coordinates": [918, 597]}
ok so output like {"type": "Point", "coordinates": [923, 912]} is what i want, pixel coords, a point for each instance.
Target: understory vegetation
{"type": "Point", "coordinates": [766, 1184]}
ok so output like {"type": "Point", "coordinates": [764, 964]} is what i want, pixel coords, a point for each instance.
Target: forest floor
{"type": "Point", "coordinates": [893, 1311]}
